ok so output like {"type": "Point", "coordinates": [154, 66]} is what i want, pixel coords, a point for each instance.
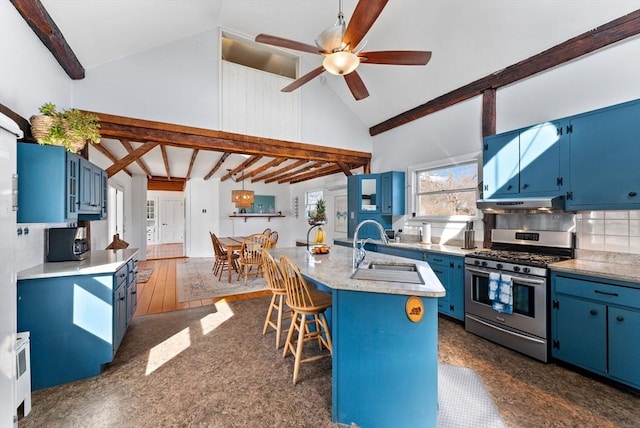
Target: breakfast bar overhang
{"type": "Point", "coordinates": [385, 339]}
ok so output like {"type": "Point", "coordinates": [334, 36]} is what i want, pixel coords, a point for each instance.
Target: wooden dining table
{"type": "Point", "coordinates": [231, 244]}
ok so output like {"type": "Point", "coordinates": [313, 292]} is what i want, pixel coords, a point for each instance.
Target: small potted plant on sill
{"type": "Point", "coordinates": [319, 215]}
{"type": "Point", "coordinates": [70, 129]}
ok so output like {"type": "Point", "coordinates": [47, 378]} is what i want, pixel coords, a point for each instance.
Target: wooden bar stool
{"type": "Point", "coordinates": [277, 306]}
{"type": "Point", "coordinates": [309, 320]}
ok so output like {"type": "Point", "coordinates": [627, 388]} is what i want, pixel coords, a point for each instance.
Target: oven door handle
{"type": "Point", "coordinates": [519, 279]}
{"type": "Point", "coordinates": [513, 333]}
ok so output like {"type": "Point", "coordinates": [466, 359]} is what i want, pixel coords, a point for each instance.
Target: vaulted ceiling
{"type": "Point", "coordinates": [469, 39]}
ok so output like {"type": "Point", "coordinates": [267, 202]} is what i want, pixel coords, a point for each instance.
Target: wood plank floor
{"type": "Point", "coordinates": [159, 293]}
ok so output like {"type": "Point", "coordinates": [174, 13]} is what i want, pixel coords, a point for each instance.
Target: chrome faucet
{"type": "Point", "coordinates": [358, 246]}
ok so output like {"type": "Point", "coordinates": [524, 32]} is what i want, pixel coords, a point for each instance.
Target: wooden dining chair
{"type": "Point", "coordinates": [223, 259]}
{"type": "Point", "coordinates": [277, 306]}
{"type": "Point", "coordinates": [308, 322]}
{"type": "Point", "coordinates": [273, 238]}
{"type": "Point", "coordinates": [250, 255]}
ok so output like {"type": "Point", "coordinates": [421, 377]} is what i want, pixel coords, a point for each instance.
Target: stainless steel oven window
{"type": "Point", "coordinates": [523, 295]}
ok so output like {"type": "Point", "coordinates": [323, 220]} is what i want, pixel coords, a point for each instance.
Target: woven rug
{"type": "Point", "coordinates": [463, 401]}
{"type": "Point", "coordinates": [143, 275]}
{"type": "Point", "coordinates": [195, 280]}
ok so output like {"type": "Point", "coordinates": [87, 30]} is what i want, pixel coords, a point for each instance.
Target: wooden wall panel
{"type": "Point", "coordinates": [251, 103]}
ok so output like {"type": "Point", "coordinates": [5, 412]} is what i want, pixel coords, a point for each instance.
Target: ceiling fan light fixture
{"type": "Point", "coordinates": [331, 38]}
{"type": "Point", "coordinates": [341, 63]}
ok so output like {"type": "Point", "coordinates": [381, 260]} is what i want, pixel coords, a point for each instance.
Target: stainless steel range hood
{"type": "Point", "coordinates": [529, 204]}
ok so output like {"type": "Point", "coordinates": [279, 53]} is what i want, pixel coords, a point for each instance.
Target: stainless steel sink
{"type": "Point", "coordinates": [404, 267]}
{"type": "Point", "coordinates": [389, 272]}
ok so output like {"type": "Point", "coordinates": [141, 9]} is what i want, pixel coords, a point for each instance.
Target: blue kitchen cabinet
{"type": "Point", "coordinates": [450, 272]}
{"type": "Point", "coordinates": [526, 162]}
{"type": "Point", "coordinates": [374, 196]}
{"type": "Point", "coordinates": [593, 322]}
{"type": "Point", "coordinates": [76, 322]}
{"type": "Point", "coordinates": [90, 188]}
{"type": "Point", "coordinates": [48, 184]}
{"type": "Point", "coordinates": [456, 288]}
{"type": "Point", "coordinates": [408, 253]}
{"type": "Point", "coordinates": [605, 158]}
{"type": "Point", "coordinates": [56, 186]}
{"type": "Point", "coordinates": [500, 169]}
{"type": "Point", "coordinates": [131, 289]}
{"type": "Point", "coordinates": [392, 193]}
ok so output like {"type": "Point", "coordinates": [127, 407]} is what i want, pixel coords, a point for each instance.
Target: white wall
{"type": "Point", "coordinates": [30, 74]}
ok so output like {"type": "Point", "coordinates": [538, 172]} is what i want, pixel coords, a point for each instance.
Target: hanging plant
{"type": "Point", "coordinates": [70, 129]}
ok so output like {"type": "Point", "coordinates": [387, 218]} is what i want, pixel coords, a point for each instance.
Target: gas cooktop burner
{"type": "Point", "coordinates": [526, 258]}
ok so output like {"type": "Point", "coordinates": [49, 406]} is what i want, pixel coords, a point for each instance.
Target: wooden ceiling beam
{"type": "Point", "coordinates": [191, 163]}
{"type": "Point", "coordinates": [119, 127]}
{"type": "Point", "coordinates": [331, 169]}
{"type": "Point", "coordinates": [48, 32]}
{"type": "Point", "coordinates": [102, 149]}
{"type": "Point", "coordinates": [129, 148]}
{"type": "Point", "coordinates": [271, 164]}
{"type": "Point", "coordinates": [306, 168]}
{"type": "Point", "coordinates": [583, 44]}
{"type": "Point", "coordinates": [247, 163]}
{"type": "Point", "coordinates": [165, 159]}
{"type": "Point", "coordinates": [282, 170]}
{"type": "Point", "coordinates": [217, 165]}
{"type": "Point", "coordinates": [167, 184]}
{"type": "Point", "coordinates": [345, 168]}
{"type": "Point", "coordinates": [122, 163]}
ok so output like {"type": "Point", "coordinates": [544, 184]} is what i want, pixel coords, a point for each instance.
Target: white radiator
{"type": "Point", "coordinates": [23, 371]}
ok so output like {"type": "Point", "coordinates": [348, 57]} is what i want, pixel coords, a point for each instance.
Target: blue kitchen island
{"type": "Point", "coordinates": [385, 365]}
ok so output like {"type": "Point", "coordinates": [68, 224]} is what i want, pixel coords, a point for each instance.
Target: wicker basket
{"type": "Point", "coordinates": [40, 126]}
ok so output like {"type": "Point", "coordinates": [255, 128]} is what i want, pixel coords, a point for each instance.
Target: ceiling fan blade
{"type": "Point", "coordinates": [302, 80]}
{"type": "Point", "coordinates": [396, 57]}
{"type": "Point", "coordinates": [286, 43]}
{"type": "Point", "coordinates": [365, 14]}
{"type": "Point", "coordinates": [356, 85]}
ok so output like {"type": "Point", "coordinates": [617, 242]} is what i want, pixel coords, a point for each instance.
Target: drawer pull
{"type": "Point", "coordinates": [606, 293]}
{"type": "Point", "coordinates": [593, 312]}
{"type": "Point", "coordinates": [619, 318]}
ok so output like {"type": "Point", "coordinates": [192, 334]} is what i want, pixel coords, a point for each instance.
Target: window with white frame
{"type": "Point", "coordinates": [446, 190]}
{"type": "Point", "coordinates": [312, 199]}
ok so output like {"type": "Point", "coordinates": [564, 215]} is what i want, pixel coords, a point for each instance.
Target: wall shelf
{"type": "Point", "coordinates": [246, 216]}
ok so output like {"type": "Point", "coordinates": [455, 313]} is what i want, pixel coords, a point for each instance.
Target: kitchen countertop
{"type": "Point", "coordinates": [451, 250]}
{"type": "Point", "coordinates": [96, 262]}
{"type": "Point", "coordinates": [601, 269]}
{"type": "Point", "coordinates": [334, 270]}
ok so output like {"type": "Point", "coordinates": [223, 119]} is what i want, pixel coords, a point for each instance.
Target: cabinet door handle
{"type": "Point", "coordinates": [524, 186]}
{"type": "Point", "coordinates": [121, 298]}
{"type": "Point", "coordinates": [620, 318]}
{"type": "Point", "coordinates": [633, 194]}
{"type": "Point", "coordinates": [509, 187]}
{"type": "Point", "coordinates": [593, 312]}
{"type": "Point", "coordinates": [606, 293]}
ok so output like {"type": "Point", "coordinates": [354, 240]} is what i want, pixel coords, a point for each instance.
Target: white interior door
{"type": "Point", "coordinates": [171, 221]}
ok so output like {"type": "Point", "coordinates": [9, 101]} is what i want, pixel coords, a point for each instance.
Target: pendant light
{"type": "Point", "coordinates": [242, 198]}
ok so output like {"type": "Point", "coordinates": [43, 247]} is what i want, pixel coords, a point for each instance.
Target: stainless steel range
{"type": "Point", "coordinates": [507, 288]}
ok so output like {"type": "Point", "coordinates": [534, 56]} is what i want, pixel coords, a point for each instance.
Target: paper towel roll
{"type": "Point", "coordinates": [426, 233]}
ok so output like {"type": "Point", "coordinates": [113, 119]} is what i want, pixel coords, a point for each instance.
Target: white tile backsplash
{"type": "Point", "coordinates": [616, 215]}
{"type": "Point", "coordinates": [617, 244]}
{"type": "Point", "coordinates": [615, 231]}
{"type": "Point", "coordinates": [616, 227]}
{"type": "Point", "coordinates": [593, 227]}
{"type": "Point", "coordinates": [30, 248]}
